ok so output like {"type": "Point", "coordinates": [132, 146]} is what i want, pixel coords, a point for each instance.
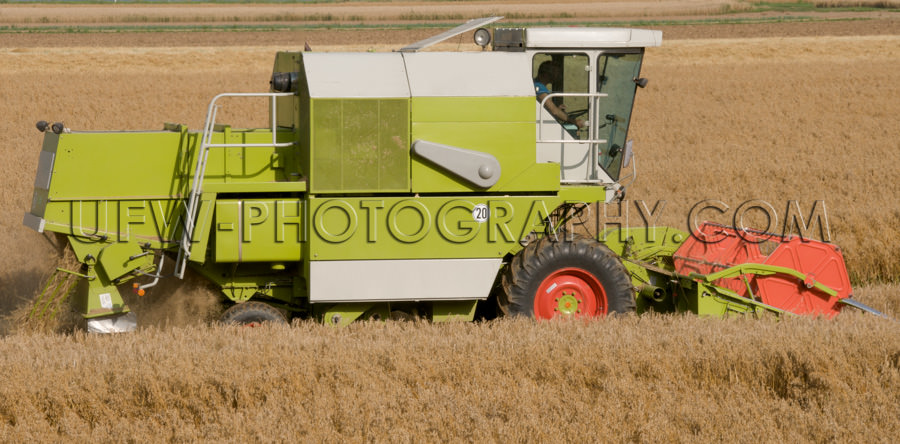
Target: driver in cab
{"type": "Point", "coordinates": [548, 73]}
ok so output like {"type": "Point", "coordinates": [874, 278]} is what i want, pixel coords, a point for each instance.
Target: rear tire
{"type": "Point", "coordinates": [573, 277]}
{"type": "Point", "coordinates": [252, 314]}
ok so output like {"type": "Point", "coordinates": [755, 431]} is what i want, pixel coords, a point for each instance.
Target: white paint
{"type": "Point", "coordinates": [355, 75]}
{"type": "Point", "coordinates": [469, 74]}
{"type": "Point", "coordinates": [106, 301]}
{"type": "Point", "coordinates": [480, 213]}
{"type": "Point", "coordinates": [591, 38]}
{"type": "Point", "coordinates": [402, 280]}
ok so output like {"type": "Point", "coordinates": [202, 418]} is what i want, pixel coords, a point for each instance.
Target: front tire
{"type": "Point", "coordinates": [252, 314]}
{"type": "Point", "coordinates": [572, 277]}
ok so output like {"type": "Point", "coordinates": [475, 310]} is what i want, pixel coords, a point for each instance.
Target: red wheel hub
{"type": "Point", "coordinates": [570, 292]}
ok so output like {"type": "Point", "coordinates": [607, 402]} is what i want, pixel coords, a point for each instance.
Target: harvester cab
{"type": "Point", "coordinates": [387, 185]}
{"type": "Point", "coordinates": [584, 80]}
{"type": "Point", "coordinates": [591, 75]}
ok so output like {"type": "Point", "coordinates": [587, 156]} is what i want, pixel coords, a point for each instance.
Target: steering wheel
{"type": "Point", "coordinates": [578, 113]}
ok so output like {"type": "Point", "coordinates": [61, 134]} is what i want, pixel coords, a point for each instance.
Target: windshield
{"type": "Point", "coordinates": [615, 77]}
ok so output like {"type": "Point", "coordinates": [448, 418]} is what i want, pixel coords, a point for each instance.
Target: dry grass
{"type": "Point", "coordinates": [49, 309]}
{"type": "Point", "coordinates": [648, 379]}
{"type": "Point", "coordinates": [356, 12]}
{"type": "Point", "coordinates": [883, 4]}
{"type": "Point", "coordinates": [774, 119]}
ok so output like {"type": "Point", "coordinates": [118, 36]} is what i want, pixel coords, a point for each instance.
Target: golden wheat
{"type": "Point", "coordinates": [647, 379]}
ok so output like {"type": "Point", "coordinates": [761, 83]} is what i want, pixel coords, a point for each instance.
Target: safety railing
{"type": "Point", "coordinates": [190, 221]}
{"type": "Point", "coordinates": [593, 107]}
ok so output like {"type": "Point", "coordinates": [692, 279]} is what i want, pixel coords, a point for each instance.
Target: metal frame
{"type": "Point", "coordinates": [467, 26]}
{"type": "Point", "coordinates": [184, 247]}
{"type": "Point", "coordinates": [594, 99]}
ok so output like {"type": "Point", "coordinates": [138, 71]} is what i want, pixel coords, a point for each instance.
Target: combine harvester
{"type": "Point", "coordinates": [411, 183]}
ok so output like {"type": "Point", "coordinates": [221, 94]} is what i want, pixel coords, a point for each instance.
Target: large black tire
{"type": "Point", "coordinates": [252, 313]}
{"type": "Point", "coordinates": [569, 276]}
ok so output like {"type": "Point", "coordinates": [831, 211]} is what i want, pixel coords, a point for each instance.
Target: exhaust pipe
{"type": "Point", "coordinates": [652, 293]}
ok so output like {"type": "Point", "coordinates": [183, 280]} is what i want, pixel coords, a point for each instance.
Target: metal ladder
{"type": "Point", "coordinates": [193, 204]}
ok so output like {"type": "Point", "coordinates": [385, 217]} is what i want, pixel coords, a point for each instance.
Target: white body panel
{"type": "Point", "coordinates": [469, 74]}
{"type": "Point", "coordinates": [401, 280]}
{"type": "Point", "coordinates": [573, 38]}
{"type": "Point", "coordinates": [355, 75]}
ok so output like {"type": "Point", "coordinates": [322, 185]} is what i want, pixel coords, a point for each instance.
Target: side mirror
{"type": "Point", "coordinates": [641, 81]}
{"type": "Point", "coordinates": [629, 153]}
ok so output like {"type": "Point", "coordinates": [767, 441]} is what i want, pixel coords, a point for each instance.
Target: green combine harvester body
{"type": "Point", "coordinates": [398, 184]}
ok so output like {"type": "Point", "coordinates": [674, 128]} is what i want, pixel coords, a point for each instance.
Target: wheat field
{"type": "Point", "coordinates": [634, 379]}
{"type": "Point", "coordinates": [780, 117]}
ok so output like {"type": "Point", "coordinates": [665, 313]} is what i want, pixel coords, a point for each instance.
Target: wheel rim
{"type": "Point", "coordinates": [570, 292]}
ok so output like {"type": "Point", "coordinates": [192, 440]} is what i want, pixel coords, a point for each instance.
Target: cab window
{"type": "Point", "coordinates": [563, 73]}
{"type": "Point", "coordinates": [615, 77]}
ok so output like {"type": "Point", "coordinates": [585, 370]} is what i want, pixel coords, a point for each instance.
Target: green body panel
{"type": "Point", "coordinates": [259, 230]}
{"type": "Point", "coordinates": [712, 301]}
{"type": "Point", "coordinates": [118, 259]}
{"type": "Point", "coordinates": [157, 222]}
{"type": "Point", "coordinates": [422, 228]}
{"type": "Point", "coordinates": [159, 164]}
{"type": "Point", "coordinates": [108, 265]}
{"type": "Point", "coordinates": [115, 259]}
{"type": "Point", "coordinates": [503, 127]}
{"type": "Point", "coordinates": [453, 311]}
{"type": "Point", "coordinates": [138, 181]}
{"type": "Point", "coordinates": [147, 165]}
{"type": "Point", "coordinates": [341, 315]}
{"type": "Point", "coordinates": [99, 299]}
{"type": "Point", "coordinates": [276, 281]}
{"type": "Point", "coordinates": [359, 145]}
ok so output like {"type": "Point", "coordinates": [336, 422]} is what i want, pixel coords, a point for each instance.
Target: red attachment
{"type": "Point", "coordinates": [715, 247]}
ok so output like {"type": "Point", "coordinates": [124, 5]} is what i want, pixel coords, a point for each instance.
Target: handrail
{"type": "Point", "coordinates": [591, 111]}
{"type": "Point", "coordinates": [184, 248]}
{"type": "Point", "coordinates": [594, 99]}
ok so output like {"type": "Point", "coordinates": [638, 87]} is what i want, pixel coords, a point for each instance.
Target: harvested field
{"type": "Point", "coordinates": [363, 12]}
{"type": "Point", "coordinates": [777, 112]}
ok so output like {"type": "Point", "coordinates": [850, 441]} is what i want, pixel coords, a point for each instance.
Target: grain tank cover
{"type": "Point", "coordinates": [355, 75]}
{"type": "Point", "coordinates": [469, 74]}
{"type": "Point", "coordinates": [358, 128]}
{"type": "Point", "coordinates": [591, 38]}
